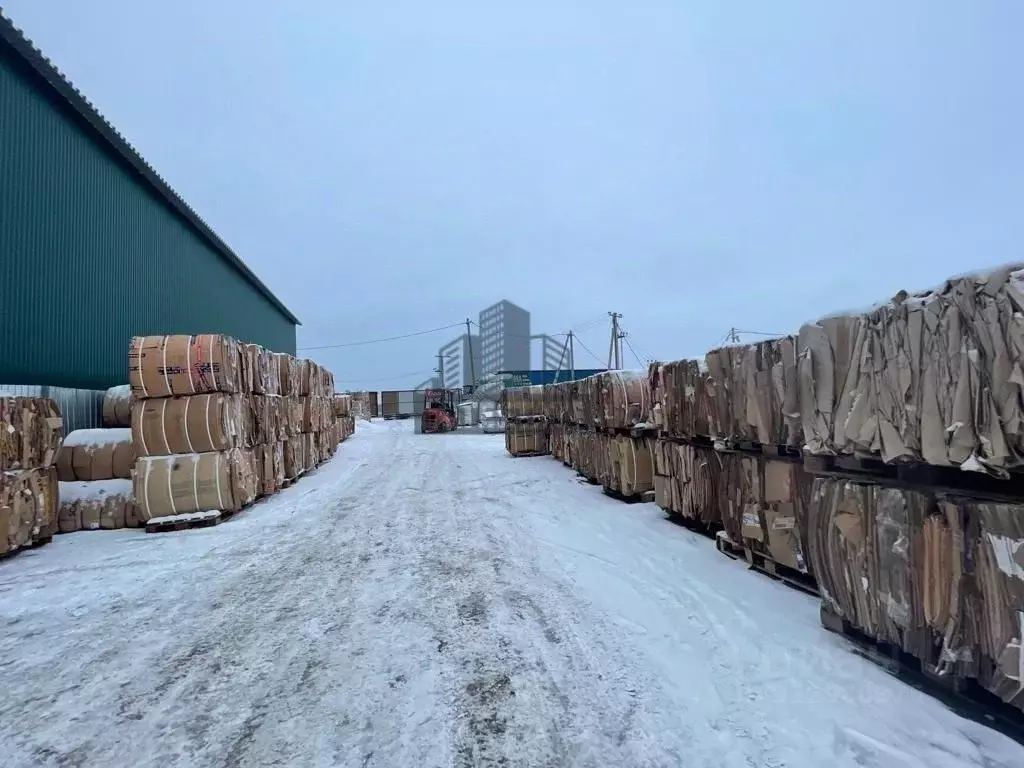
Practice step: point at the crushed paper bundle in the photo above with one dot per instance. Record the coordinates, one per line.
(682, 400)
(754, 392)
(31, 432)
(196, 424)
(691, 481)
(933, 377)
(773, 498)
(523, 402)
(96, 505)
(269, 468)
(28, 507)
(260, 370)
(196, 482)
(526, 437)
(117, 406)
(265, 420)
(96, 454)
(317, 413)
(287, 373)
(342, 405)
(163, 366)
(617, 399)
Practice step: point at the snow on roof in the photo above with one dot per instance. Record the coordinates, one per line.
(98, 437)
(90, 490)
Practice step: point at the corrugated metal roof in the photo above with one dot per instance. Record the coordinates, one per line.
(62, 88)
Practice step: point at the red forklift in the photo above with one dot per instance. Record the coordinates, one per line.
(438, 411)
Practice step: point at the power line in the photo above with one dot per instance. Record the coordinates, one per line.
(626, 339)
(388, 338)
(587, 349)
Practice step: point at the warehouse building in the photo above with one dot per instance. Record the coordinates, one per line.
(95, 247)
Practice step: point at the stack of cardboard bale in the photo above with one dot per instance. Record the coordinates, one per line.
(31, 432)
(526, 428)
(191, 426)
(94, 467)
(345, 420)
(728, 449)
(931, 379)
(600, 427)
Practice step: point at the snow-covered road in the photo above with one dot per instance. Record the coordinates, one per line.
(428, 601)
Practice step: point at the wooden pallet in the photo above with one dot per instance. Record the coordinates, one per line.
(529, 454)
(788, 576)
(963, 696)
(185, 522)
(636, 498)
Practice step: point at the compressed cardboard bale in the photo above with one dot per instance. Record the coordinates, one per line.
(688, 480)
(995, 534)
(265, 420)
(163, 366)
(932, 376)
(342, 405)
(317, 413)
(633, 464)
(95, 505)
(287, 374)
(195, 482)
(31, 432)
(117, 406)
(195, 424)
(866, 552)
(313, 380)
(294, 462)
(96, 454)
(523, 402)
(786, 492)
(526, 437)
(29, 501)
(260, 370)
(681, 397)
(619, 399)
(754, 392)
(269, 468)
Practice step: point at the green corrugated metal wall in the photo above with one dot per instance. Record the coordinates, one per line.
(89, 256)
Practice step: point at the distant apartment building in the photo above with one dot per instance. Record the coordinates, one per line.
(504, 338)
(460, 361)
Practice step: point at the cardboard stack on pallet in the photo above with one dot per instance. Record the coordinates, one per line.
(345, 420)
(939, 577)
(31, 433)
(94, 467)
(600, 427)
(727, 455)
(217, 423)
(526, 427)
(190, 426)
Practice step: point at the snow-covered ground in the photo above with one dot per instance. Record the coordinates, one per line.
(428, 601)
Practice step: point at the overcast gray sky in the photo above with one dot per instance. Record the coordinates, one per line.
(388, 167)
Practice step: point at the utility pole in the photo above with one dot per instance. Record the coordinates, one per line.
(615, 343)
(572, 360)
(469, 343)
(440, 371)
(734, 336)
